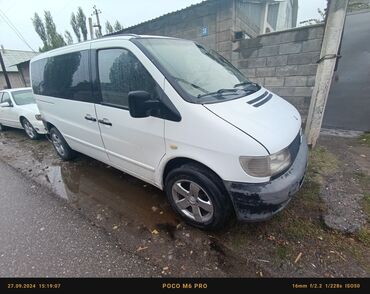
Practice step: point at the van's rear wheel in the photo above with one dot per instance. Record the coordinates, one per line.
(60, 145)
(2, 128)
(197, 195)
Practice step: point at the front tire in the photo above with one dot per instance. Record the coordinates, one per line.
(29, 129)
(198, 196)
(61, 146)
(2, 128)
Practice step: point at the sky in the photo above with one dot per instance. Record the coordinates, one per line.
(128, 12)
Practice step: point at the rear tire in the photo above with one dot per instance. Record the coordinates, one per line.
(29, 129)
(61, 146)
(199, 197)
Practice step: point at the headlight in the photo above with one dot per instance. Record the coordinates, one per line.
(266, 166)
(38, 116)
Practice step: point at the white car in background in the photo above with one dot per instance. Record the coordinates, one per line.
(18, 109)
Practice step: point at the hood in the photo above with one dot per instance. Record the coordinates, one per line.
(32, 108)
(263, 115)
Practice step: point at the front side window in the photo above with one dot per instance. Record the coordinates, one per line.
(63, 76)
(23, 97)
(204, 76)
(6, 98)
(120, 72)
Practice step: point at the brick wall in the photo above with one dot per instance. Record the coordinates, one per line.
(284, 62)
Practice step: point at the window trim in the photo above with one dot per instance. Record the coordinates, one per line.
(163, 98)
(99, 90)
(88, 61)
(10, 97)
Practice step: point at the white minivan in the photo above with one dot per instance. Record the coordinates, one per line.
(177, 116)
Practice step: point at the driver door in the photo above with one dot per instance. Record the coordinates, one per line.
(8, 116)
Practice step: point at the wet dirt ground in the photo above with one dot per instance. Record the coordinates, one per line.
(138, 218)
(136, 214)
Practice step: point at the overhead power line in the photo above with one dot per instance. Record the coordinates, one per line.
(14, 28)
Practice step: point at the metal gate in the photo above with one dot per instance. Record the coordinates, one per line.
(348, 105)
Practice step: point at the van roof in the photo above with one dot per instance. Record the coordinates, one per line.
(84, 45)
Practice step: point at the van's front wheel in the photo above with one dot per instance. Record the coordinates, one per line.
(60, 145)
(196, 194)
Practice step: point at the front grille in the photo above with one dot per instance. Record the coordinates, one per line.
(294, 146)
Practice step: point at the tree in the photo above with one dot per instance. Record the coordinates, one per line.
(117, 26)
(68, 37)
(81, 21)
(108, 28)
(354, 5)
(75, 27)
(313, 21)
(47, 32)
(54, 38)
(40, 30)
(97, 34)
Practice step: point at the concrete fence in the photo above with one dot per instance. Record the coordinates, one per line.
(284, 62)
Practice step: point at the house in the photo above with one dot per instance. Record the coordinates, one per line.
(17, 66)
(217, 23)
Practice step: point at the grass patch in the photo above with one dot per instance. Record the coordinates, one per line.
(365, 139)
(282, 251)
(299, 229)
(366, 205)
(322, 163)
(364, 236)
(364, 181)
(309, 196)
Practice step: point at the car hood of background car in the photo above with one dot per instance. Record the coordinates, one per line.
(32, 108)
(263, 115)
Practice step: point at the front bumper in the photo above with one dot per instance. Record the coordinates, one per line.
(257, 202)
(39, 127)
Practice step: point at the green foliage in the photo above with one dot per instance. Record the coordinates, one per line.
(40, 29)
(75, 27)
(47, 32)
(108, 28)
(81, 21)
(68, 37)
(118, 26)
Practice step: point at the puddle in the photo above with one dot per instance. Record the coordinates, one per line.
(88, 184)
(133, 213)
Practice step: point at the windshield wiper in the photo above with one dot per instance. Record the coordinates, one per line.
(250, 87)
(191, 84)
(219, 93)
(249, 84)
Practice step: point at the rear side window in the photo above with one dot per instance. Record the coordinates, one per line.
(64, 76)
(119, 73)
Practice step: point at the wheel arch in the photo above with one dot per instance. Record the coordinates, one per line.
(179, 161)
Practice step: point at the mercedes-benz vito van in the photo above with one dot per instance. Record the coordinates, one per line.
(177, 116)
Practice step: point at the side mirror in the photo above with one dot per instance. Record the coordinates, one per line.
(6, 104)
(140, 104)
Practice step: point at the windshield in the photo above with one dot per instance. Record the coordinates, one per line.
(23, 97)
(204, 76)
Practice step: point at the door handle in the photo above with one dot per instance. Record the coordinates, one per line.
(89, 117)
(105, 121)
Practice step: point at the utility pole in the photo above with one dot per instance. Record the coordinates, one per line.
(9, 86)
(91, 29)
(328, 58)
(96, 13)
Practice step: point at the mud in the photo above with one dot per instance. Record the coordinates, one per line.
(135, 213)
(138, 218)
